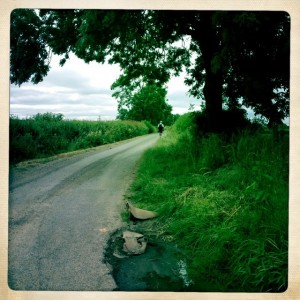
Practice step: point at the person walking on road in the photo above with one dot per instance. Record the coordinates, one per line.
(160, 128)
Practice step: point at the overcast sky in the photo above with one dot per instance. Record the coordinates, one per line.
(82, 91)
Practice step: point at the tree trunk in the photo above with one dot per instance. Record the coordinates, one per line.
(209, 43)
(213, 99)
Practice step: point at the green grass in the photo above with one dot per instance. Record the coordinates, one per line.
(48, 134)
(224, 202)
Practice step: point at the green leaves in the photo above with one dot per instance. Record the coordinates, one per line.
(28, 52)
(147, 103)
(235, 55)
(256, 46)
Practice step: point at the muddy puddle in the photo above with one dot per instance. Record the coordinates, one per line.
(161, 268)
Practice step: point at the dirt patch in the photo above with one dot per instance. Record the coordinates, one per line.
(161, 268)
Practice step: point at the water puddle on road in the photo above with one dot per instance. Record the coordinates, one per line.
(161, 268)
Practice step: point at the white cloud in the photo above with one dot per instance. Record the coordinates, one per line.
(178, 95)
(82, 91)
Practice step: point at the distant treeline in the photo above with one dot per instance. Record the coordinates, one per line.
(49, 134)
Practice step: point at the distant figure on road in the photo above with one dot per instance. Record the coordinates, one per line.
(160, 128)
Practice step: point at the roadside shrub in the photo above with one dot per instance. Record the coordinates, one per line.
(49, 134)
(22, 147)
(151, 128)
(230, 121)
(186, 122)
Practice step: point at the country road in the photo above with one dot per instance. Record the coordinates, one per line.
(61, 214)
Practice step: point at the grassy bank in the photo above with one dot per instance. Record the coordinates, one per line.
(48, 134)
(225, 203)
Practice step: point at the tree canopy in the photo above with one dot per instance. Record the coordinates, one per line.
(29, 54)
(149, 104)
(237, 58)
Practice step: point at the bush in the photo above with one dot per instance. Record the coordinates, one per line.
(186, 122)
(151, 128)
(48, 134)
(228, 123)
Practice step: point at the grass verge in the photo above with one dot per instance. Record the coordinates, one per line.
(225, 203)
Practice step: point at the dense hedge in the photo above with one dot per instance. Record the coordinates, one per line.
(49, 134)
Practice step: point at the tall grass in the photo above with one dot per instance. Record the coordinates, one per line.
(48, 134)
(224, 202)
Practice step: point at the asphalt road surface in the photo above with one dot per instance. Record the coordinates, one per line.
(61, 214)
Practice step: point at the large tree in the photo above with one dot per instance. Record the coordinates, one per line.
(149, 103)
(259, 65)
(239, 56)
